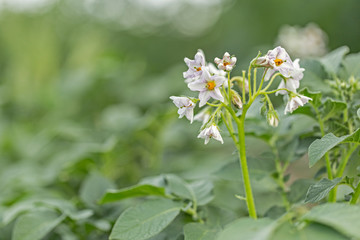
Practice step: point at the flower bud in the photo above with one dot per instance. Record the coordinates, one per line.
(272, 118)
(236, 99)
(261, 62)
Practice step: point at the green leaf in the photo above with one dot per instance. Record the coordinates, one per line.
(299, 189)
(353, 138)
(312, 231)
(145, 220)
(320, 189)
(320, 146)
(179, 187)
(203, 191)
(340, 216)
(332, 61)
(247, 228)
(315, 96)
(199, 191)
(14, 211)
(66, 207)
(198, 231)
(314, 75)
(352, 64)
(36, 225)
(332, 108)
(133, 191)
(94, 187)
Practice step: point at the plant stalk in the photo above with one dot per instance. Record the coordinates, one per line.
(245, 171)
(356, 194)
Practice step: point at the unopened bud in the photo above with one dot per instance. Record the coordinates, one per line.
(272, 118)
(261, 62)
(236, 99)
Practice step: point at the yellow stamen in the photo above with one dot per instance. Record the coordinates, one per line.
(198, 69)
(278, 62)
(210, 85)
(226, 63)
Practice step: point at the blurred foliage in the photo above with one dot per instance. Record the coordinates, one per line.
(84, 101)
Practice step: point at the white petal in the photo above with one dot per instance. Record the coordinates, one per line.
(206, 75)
(188, 74)
(181, 112)
(214, 131)
(305, 99)
(269, 73)
(216, 94)
(219, 80)
(292, 85)
(187, 61)
(287, 108)
(197, 86)
(281, 85)
(176, 101)
(298, 101)
(190, 114)
(200, 57)
(204, 96)
(221, 66)
(296, 63)
(202, 134)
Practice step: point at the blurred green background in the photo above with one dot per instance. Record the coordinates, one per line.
(78, 73)
(92, 79)
(85, 84)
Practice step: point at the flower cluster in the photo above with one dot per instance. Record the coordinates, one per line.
(211, 83)
(208, 80)
(278, 60)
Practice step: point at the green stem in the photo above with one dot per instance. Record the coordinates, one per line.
(327, 158)
(344, 161)
(332, 194)
(243, 88)
(280, 171)
(255, 71)
(276, 90)
(268, 101)
(229, 128)
(262, 81)
(242, 158)
(271, 81)
(245, 171)
(356, 194)
(249, 80)
(229, 93)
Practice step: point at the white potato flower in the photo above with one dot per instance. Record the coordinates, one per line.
(295, 102)
(208, 86)
(227, 63)
(186, 107)
(196, 66)
(211, 132)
